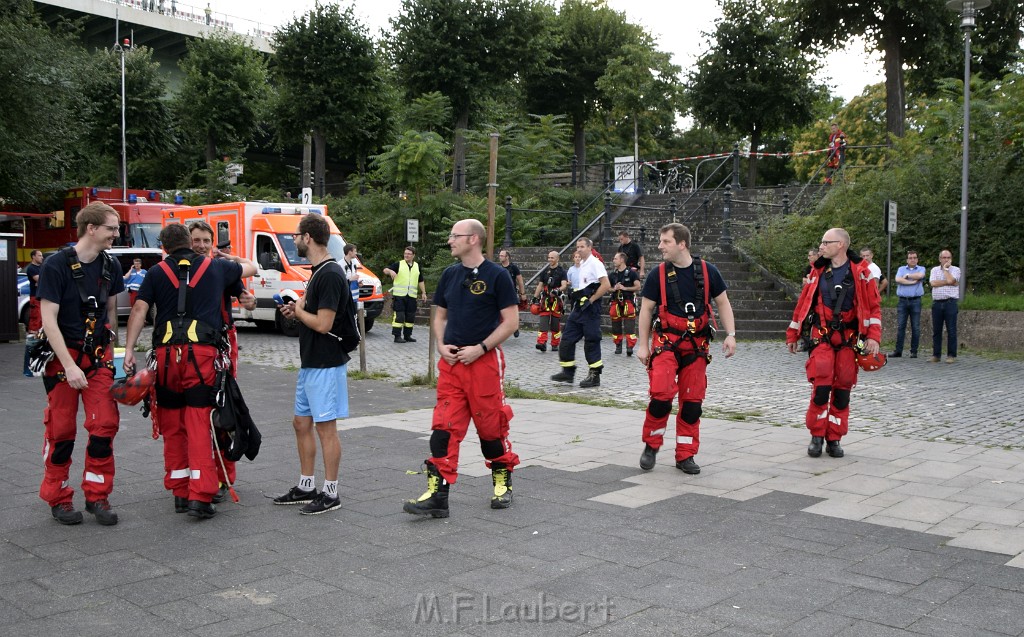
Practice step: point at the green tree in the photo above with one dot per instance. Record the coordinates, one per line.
(920, 35)
(224, 94)
(41, 127)
(415, 162)
(463, 49)
(587, 35)
(754, 80)
(330, 81)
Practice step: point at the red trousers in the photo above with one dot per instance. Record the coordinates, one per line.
(827, 367)
(550, 322)
(189, 464)
(472, 391)
(623, 315)
(667, 380)
(60, 424)
(35, 315)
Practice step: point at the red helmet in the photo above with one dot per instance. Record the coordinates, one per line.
(131, 390)
(535, 307)
(872, 362)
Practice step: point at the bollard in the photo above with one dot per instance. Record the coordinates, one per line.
(575, 167)
(785, 203)
(736, 166)
(606, 232)
(726, 214)
(672, 208)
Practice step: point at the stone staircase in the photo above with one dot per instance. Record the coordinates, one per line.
(762, 304)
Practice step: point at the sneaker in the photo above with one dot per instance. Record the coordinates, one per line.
(28, 373)
(180, 504)
(65, 513)
(648, 458)
(502, 481)
(933, 359)
(201, 510)
(951, 359)
(296, 496)
(101, 509)
(689, 466)
(322, 503)
(221, 495)
(541, 347)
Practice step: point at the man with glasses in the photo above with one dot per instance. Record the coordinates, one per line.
(477, 310)
(838, 311)
(407, 277)
(78, 289)
(945, 282)
(909, 290)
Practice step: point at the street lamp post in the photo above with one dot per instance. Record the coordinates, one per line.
(122, 47)
(968, 10)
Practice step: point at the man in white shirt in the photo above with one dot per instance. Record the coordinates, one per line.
(584, 321)
(876, 272)
(945, 282)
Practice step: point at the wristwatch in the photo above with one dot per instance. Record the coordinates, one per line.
(733, 334)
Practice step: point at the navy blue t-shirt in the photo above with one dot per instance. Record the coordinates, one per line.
(32, 270)
(474, 298)
(57, 285)
(687, 287)
(627, 278)
(827, 284)
(206, 297)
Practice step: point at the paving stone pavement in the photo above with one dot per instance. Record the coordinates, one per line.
(900, 537)
(976, 400)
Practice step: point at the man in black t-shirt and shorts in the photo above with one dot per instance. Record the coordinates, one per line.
(477, 310)
(326, 313)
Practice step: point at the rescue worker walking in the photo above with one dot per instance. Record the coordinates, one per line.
(407, 277)
(838, 310)
(78, 289)
(547, 303)
(584, 321)
(477, 310)
(201, 235)
(35, 319)
(190, 349)
(625, 284)
(676, 330)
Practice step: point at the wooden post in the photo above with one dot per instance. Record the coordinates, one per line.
(361, 316)
(492, 193)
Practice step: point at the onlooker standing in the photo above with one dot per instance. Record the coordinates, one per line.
(476, 311)
(35, 319)
(407, 277)
(572, 275)
(326, 318)
(945, 282)
(909, 290)
(209, 13)
(868, 255)
(634, 255)
(836, 152)
(505, 259)
(812, 256)
(584, 321)
(75, 311)
(133, 280)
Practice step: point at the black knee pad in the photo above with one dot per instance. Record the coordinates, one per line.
(690, 412)
(439, 443)
(99, 447)
(841, 398)
(492, 449)
(659, 408)
(62, 451)
(821, 394)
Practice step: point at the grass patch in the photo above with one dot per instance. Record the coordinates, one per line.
(290, 368)
(361, 375)
(990, 301)
(725, 414)
(515, 391)
(419, 380)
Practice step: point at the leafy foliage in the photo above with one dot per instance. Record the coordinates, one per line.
(416, 162)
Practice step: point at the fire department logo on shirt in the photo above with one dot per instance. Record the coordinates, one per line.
(478, 287)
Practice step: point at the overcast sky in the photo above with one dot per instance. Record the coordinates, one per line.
(677, 24)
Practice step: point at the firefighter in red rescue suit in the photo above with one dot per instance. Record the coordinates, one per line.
(190, 349)
(838, 311)
(625, 284)
(78, 289)
(547, 303)
(676, 330)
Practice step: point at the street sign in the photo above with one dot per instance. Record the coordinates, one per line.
(306, 197)
(412, 230)
(890, 216)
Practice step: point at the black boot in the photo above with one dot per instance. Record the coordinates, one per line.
(814, 449)
(629, 351)
(593, 379)
(689, 465)
(648, 458)
(542, 347)
(833, 449)
(434, 502)
(618, 348)
(408, 335)
(397, 333)
(566, 375)
(501, 478)
(201, 510)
